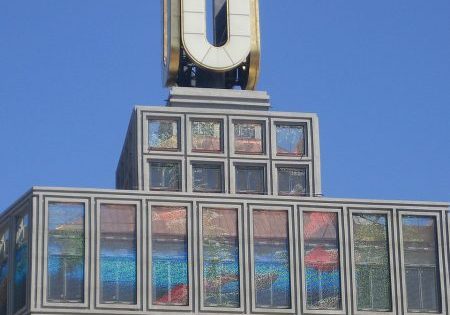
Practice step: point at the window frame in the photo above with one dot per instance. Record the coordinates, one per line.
(190, 172)
(223, 135)
(6, 226)
(162, 159)
(264, 122)
(306, 123)
(267, 176)
(309, 177)
(146, 149)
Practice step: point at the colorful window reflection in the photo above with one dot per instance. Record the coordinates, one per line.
(4, 270)
(371, 257)
(170, 283)
(206, 136)
(292, 181)
(163, 134)
(291, 140)
(421, 263)
(118, 254)
(165, 176)
(221, 282)
(248, 138)
(250, 179)
(65, 252)
(321, 260)
(21, 262)
(271, 259)
(207, 177)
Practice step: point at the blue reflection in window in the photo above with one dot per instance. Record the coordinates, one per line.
(4, 270)
(20, 263)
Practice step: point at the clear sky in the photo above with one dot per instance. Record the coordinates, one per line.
(376, 71)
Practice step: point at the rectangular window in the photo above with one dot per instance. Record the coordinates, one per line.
(118, 273)
(248, 138)
(421, 263)
(271, 259)
(170, 282)
(4, 270)
(221, 281)
(165, 176)
(21, 262)
(372, 265)
(322, 261)
(207, 136)
(207, 177)
(163, 134)
(65, 269)
(250, 179)
(293, 181)
(291, 140)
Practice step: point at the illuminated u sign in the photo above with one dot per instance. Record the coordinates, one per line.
(186, 45)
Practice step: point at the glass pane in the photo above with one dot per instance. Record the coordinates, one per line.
(421, 263)
(321, 262)
(248, 138)
(206, 136)
(65, 252)
(170, 283)
(4, 270)
(271, 259)
(373, 278)
(21, 262)
(221, 258)
(208, 178)
(163, 134)
(292, 181)
(165, 176)
(250, 179)
(291, 140)
(118, 254)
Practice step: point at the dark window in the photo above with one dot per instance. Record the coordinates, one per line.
(207, 136)
(165, 176)
(4, 270)
(293, 181)
(248, 138)
(163, 134)
(21, 262)
(207, 177)
(291, 140)
(250, 179)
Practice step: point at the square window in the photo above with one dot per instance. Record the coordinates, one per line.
(291, 140)
(207, 136)
(207, 177)
(293, 181)
(165, 176)
(163, 134)
(248, 138)
(250, 179)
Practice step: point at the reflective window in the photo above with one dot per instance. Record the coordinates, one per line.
(250, 179)
(118, 254)
(207, 136)
(292, 181)
(65, 268)
(248, 138)
(221, 282)
(170, 283)
(291, 140)
(4, 270)
(21, 262)
(421, 263)
(371, 257)
(321, 260)
(163, 134)
(165, 176)
(271, 259)
(207, 177)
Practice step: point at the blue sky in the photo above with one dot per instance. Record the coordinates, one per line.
(376, 71)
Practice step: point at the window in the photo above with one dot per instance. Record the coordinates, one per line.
(207, 136)
(65, 263)
(207, 177)
(248, 138)
(163, 134)
(165, 176)
(4, 270)
(291, 139)
(421, 263)
(272, 274)
(21, 262)
(118, 254)
(321, 261)
(293, 181)
(221, 280)
(372, 266)
(250, 179)
(170, 282)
